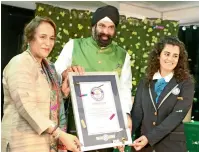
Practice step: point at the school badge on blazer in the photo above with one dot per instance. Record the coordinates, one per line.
(175, 91)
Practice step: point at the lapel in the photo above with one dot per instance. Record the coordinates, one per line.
(152, 86)
(172, 83)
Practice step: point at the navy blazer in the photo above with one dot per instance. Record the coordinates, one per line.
(161, 122)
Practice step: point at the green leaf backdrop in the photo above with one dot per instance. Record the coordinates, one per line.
(135, 35)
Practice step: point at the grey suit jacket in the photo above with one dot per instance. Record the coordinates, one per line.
(161, 122)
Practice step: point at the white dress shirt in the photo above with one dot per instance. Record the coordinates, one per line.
(167, 78)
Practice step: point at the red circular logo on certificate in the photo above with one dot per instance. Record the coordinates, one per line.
(97, 93)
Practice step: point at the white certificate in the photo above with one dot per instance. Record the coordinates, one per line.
(99, 106)
(99, 116)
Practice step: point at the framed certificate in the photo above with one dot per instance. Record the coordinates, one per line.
(100, 119)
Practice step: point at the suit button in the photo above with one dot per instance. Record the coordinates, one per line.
(155, 113)
(154, 123)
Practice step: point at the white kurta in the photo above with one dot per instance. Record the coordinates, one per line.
(65, 60)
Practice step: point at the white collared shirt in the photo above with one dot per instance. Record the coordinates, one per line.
(167, 78)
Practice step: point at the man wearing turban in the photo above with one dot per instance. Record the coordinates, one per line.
(98, 53)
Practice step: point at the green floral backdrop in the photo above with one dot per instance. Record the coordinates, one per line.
(134, 35)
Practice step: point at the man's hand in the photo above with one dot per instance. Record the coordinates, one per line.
(65, 73)
(65, 84)
(129, 121)
(65, 87)
(139, 143)
(78, 69)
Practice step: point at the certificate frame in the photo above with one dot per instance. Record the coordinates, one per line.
(102, 140)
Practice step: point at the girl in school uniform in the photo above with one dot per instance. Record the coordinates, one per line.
(163, 99)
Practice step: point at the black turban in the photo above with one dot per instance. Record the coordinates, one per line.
(109, 11)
